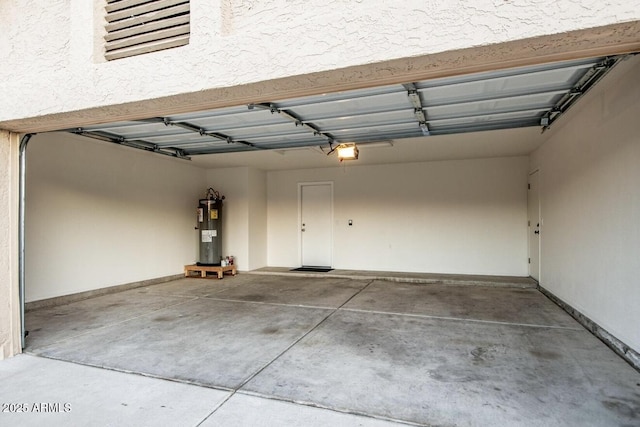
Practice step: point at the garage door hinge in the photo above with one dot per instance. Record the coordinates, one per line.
(529, 260)
(528, 186)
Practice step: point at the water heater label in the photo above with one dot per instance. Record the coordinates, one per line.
(200, 214)
(214, 213)
(208, 235)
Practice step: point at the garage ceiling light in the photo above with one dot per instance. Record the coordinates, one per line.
(348, 151)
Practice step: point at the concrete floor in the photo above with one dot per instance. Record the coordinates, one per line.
(277, 350)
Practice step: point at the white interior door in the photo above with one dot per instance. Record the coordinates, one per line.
(534, 226)
(316, 218)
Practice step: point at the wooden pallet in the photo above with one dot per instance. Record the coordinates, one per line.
(204, 269)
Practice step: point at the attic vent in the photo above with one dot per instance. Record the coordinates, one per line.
(142, 26)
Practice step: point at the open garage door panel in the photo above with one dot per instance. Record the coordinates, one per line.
(504, 99)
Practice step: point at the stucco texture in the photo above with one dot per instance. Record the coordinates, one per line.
(53, 62)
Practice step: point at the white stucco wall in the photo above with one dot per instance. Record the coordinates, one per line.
(466, 217)
(52, 61)
(590, 205)
(101, 215)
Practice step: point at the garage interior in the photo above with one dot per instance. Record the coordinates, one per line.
(431, 315)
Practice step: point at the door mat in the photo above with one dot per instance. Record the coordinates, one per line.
(314, 269)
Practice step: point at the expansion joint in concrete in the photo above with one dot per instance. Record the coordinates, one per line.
(317, 325)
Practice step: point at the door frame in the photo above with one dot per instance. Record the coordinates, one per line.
(530, 225)
(299, 224)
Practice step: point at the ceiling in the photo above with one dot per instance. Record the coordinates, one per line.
(416, 121)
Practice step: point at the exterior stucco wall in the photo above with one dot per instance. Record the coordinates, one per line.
(53, 63)
(9, 300)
